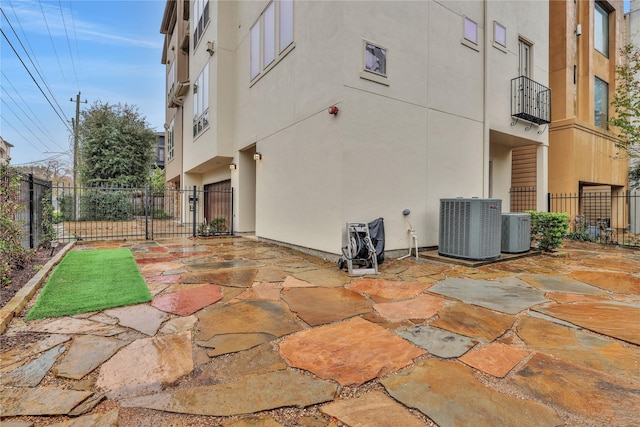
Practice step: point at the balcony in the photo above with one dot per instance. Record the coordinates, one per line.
(530, 101)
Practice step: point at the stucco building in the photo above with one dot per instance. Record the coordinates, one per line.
(319, 113)
(5, 149)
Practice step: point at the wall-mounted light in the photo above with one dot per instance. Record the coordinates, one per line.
(233, 166)
(211, 48)
(257, 156)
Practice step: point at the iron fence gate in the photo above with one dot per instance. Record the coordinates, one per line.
(105, 213)
(33, 195)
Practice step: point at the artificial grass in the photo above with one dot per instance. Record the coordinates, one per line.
(91, 280)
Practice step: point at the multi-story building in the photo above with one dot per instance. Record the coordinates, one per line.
(5, 149)
(585, 38)
(633, 37)
(322, 113)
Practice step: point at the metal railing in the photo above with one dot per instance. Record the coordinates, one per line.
(611, 217)
(32, 193)
(530, 101)
(106, 213)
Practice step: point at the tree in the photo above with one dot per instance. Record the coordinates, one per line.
(626, 105)
(116, 145)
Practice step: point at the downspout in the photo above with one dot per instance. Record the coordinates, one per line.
(485, 101)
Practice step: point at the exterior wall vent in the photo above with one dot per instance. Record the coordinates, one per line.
(470, 228)
(516, 232)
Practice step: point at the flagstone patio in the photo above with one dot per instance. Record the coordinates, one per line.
(247, 333)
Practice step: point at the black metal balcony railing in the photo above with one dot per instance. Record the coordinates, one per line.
(530, 101)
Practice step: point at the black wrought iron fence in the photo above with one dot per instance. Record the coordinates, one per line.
(107, 212)
(610, 216)
(32, 197)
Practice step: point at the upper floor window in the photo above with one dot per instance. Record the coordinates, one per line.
(200, 18)
(601, 103)
(601, 29)
(171, 76)
(470, 30)
(375, 59)
(201, 101)
(499, 34)
(170, 142)
(271, 36)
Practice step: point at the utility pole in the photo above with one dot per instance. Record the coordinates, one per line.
(75, 152)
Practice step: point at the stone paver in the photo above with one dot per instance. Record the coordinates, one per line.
(317, 306)
(11, 357)
(437, 341)
(179, 324)
(561, 284)
(257, 360)
(350, 352)
(611, 400)
(230, 343)
(30, 374)
(496, 359)
(246, 317)
(449, 393)
(372, 409)
(389, 289)
(420, 307)
(39, 401)
(265, 290)
(262, 421)
(471, 321)
(141, 317)
(158, 361)
(323, 278)
(510, 298)
(72, 325)
(184, 303)
(589, 350)
(624, 265)
(624, 283)
(235, 277)
(613, 319)
(86, 353)
(253, 393)
(108, 419)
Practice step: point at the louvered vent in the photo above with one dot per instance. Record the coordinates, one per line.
(516, 232)
(470, 228)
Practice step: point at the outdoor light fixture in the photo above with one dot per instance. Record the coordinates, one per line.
(233, 166)
(257, 156)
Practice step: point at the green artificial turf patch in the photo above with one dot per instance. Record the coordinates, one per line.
(91, 280)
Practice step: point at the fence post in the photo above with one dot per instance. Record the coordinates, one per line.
(548, 202)
(32, 209)
(231, 214)
(146, 212)
(195, 210)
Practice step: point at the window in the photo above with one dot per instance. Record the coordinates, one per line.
(201, 101)
(201, 16)
(470, 30)
(170, 142)
(601, 29)
(524, 58)
(171, 76)
(499, 34)
(601, 103)
(274, 28)
(375, 59)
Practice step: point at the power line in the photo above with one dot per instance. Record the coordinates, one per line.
(23, 137)
(60, 110)
(24, 124)
(34, 80)
(73, 64)
(53, 45)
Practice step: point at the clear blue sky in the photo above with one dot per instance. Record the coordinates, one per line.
(109, 50)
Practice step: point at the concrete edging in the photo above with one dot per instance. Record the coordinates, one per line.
(22, 297)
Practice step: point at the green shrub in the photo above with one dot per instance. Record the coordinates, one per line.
(105, 205)
(548, 229)
(218, 225)
(49, 233)
(65, 207)
(581, 231)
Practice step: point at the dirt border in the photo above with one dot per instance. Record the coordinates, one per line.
(22, 297)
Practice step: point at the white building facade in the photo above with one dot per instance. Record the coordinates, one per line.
(320, 113)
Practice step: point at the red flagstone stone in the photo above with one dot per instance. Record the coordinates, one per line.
(159, 268)
(600, 399)
(230, 343)
(449, 393)
(472, 321)
(184, 303)
(236, 277)
(495, 359)
(420, 307)
(324, 278)
(388, 289)
(612, 319)
(565, 298)
(108, 419)
(158, 249)
(261, 421)
(257, 360)
(317, 306)
(271, 274)
(71, 325)
(580, 347)
(266, 290)
(292, 282)
(350, 352)
(374, 317)
(155, 260)
(372, 409)
(623, 283)
(261, 316)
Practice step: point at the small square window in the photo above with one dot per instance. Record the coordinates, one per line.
(375, 59)
(499, 34)
(470, 30)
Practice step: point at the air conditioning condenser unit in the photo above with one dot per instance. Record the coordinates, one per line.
(516, 232)
(470, 228)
